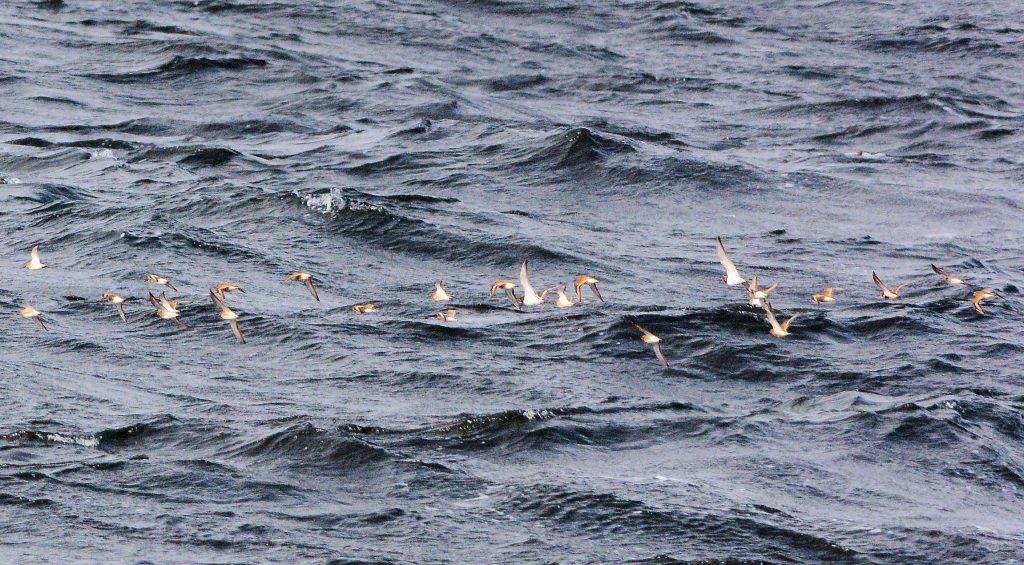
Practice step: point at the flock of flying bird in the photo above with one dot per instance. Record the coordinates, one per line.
(758, 297)
(167, 309)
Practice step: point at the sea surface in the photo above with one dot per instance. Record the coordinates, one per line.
(382, 145)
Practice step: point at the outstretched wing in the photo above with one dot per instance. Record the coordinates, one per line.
(511, 292)
(120, 311)
(642, 330)
(238, 332)
(312, 289)
(730, 267)
(785, 325)
(216, 301)
(661, 356)
(878, 282)
(771, 317)
(524, 279)
(597, 292)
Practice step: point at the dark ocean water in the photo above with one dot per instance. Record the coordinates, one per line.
(382, 145)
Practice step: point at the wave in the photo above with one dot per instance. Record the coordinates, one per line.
(576, 147)
(385, 227)
(609, 516)
(303, 444)
(101, 143)
(181, 67)
(920, 40)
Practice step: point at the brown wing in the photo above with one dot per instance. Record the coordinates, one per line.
(238, 332)
(641, 329)
(312, 289)
(511, 292)
(785, 325)
(39, 320)
(660, 355)
(597, 292)
(939, 271)
(976, 302)
(771, 316)
(878, 282)
(216, 301)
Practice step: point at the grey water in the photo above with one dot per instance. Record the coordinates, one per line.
(382, 145)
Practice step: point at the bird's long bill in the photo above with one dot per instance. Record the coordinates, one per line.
(238, 332)
(312, 289)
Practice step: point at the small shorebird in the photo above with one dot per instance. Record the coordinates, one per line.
(223, 288)
(367, 308)
(34, 263)
(887, 293)
(29, 312)
(117, 301)
(167, 309)
(306, 279)
(530, 296)
(227, 314)
(980, 295)
(510, 290)
(825, 295)
(652, 340)
(732, 276)
(756, 295)
(563, 300)
(446, 315)
(586, 280)
(440, 294)
(778, 330)
(947, 278)
(155, 279)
